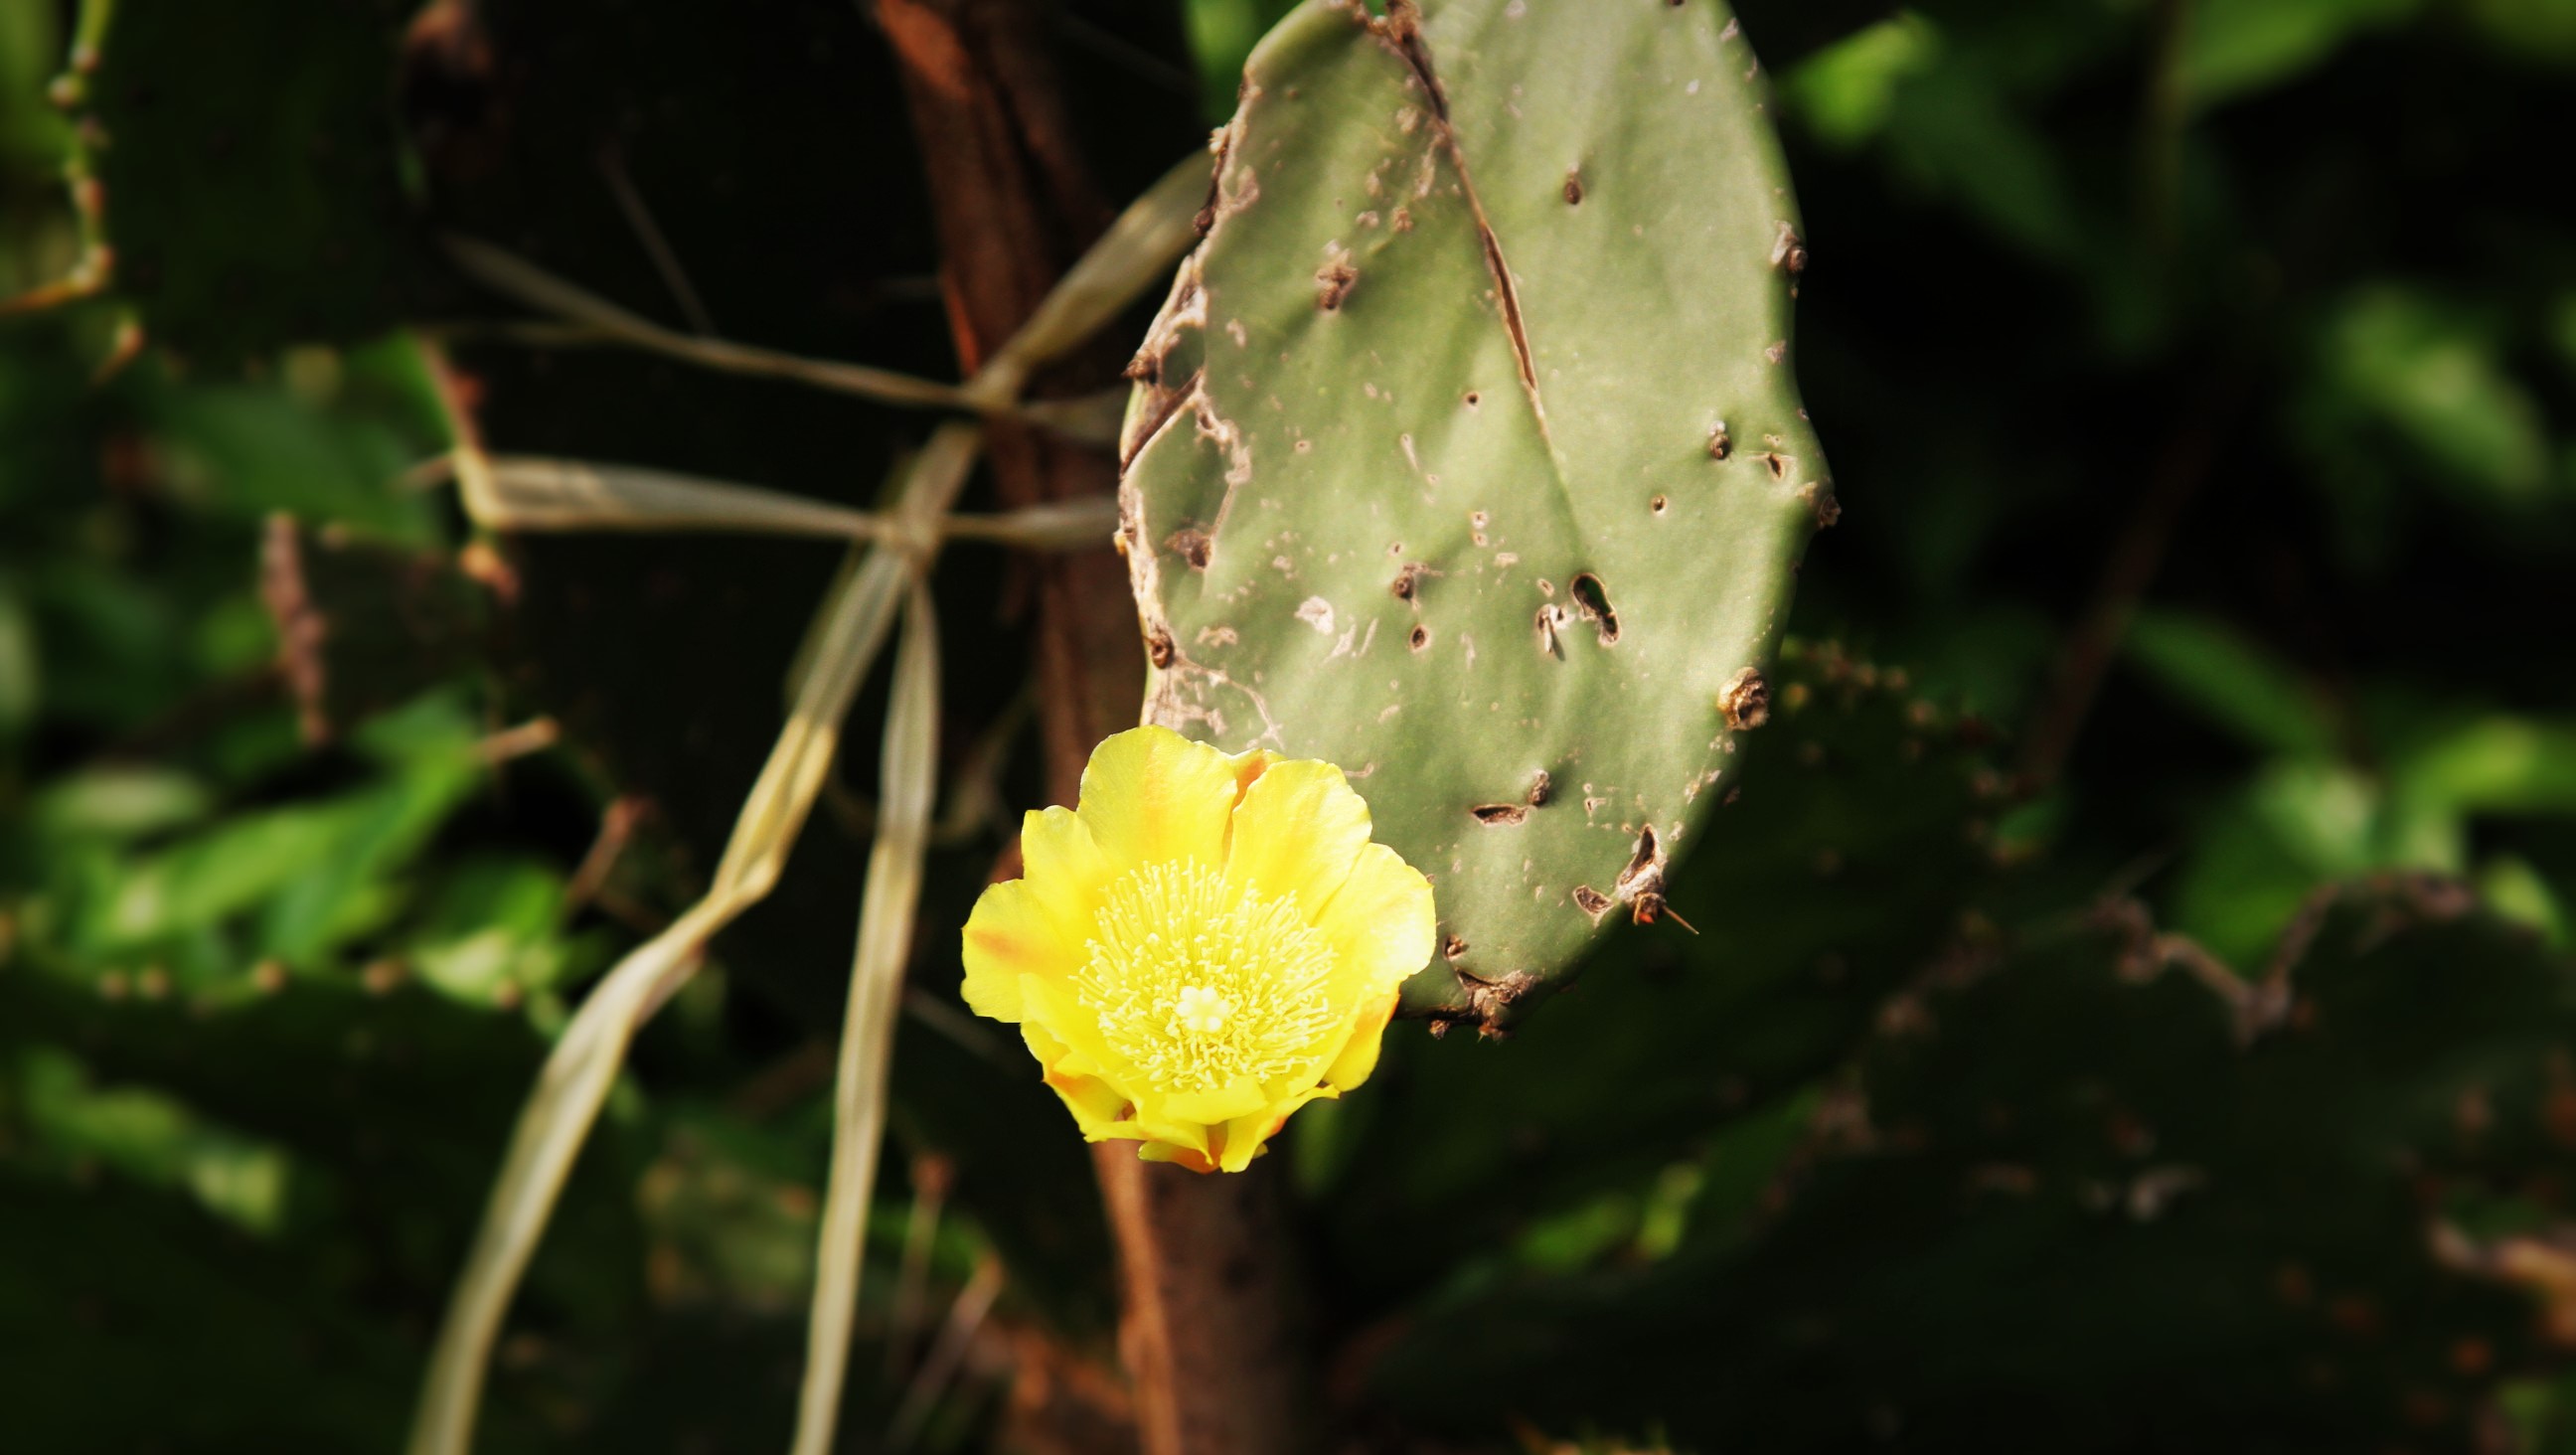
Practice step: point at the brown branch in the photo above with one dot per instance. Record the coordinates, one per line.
(2180, 470)
(1207, 1335)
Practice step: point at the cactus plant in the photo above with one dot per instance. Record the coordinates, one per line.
(264, 211)
(1845, 858)
(1466, 453)
(2121, 1191)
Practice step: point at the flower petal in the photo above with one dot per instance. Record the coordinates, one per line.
(1190, 1157)
(1009, 935)
(1185, 1136)
(1150, 795)
(1040, 923)
(1296, 832)
(1050, 1003)
(1359, 1056)
(1245, 1136)
(1249, 765)
(1380, 925)
(1242, 1098)
(1064, 865)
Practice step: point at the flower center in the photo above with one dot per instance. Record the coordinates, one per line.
(1199, 982)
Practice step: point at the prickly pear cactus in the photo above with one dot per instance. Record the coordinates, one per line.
(2086, 1180)
(267, 210)
(1466, 452)
(1845, 858)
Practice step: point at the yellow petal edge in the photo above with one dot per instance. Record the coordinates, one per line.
(1203, 945)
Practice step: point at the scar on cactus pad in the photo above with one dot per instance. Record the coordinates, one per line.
(1202, 946)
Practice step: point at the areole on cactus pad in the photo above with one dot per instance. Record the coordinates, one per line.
(1466, 453)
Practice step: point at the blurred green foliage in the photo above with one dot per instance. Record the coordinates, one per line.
(2212, 1093)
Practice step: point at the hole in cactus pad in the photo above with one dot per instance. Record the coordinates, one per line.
(1499, 815)
(1593, 600)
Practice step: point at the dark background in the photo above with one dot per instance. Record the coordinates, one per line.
(2200, 382)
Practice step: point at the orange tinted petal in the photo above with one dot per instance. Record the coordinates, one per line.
(1190, 1157)
(1150, 795)
(1098, 1108)
(1249, 765)
(1297, 832)
(1009, 935)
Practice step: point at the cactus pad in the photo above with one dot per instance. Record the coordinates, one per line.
(1466, 452)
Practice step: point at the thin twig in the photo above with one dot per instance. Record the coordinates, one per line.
(2135, 557)
(1060, 525)
(1143, 244)
(535, 493)
(532, 493)
(1139, 247)
(533, 736)
(514, 277)
(584, 1063)
(617, 825)
(612, 166)
(1120, 51)
(961, 1030)
(974, 790)
(575, 1081)
(965, 1317)
(910, 771)
(931, 1175)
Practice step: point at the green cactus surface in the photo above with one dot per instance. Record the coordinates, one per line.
(2122, 1191)
(1849, 855)
(1466, 452)
(266, 211)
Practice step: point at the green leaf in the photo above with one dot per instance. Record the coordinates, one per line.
(492, 931)
(21, 677)
(2241, 46)
(2396, 362)
(116, 803)
(1846, 92)
(2257, 856)
(248, 450)
(314, 873)
(2514, 889)
(2526, 30)
(2237, 685)
(1222, 33)
(2508, 765)
(156, 1140)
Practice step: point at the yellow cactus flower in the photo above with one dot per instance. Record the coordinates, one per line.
(1204, 945)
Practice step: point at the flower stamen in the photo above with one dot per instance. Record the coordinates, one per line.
(1201, 983)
